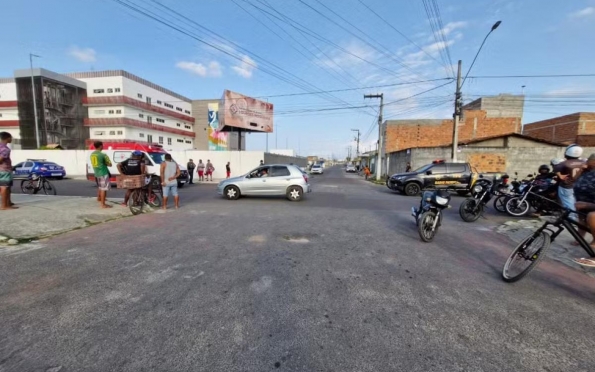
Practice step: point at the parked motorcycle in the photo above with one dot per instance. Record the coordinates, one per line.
(520, 205)
(429, 214)
(515, 188)
(483, 190)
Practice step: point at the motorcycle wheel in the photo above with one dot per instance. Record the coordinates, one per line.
(516, 208)
(500, 203)
(424, 226)
(469, 210)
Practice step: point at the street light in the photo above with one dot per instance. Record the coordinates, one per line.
(458, 95)
(495, 26)
(31, 55)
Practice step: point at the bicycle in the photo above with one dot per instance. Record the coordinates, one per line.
(140, 196)
(35, 183)
(533, 255)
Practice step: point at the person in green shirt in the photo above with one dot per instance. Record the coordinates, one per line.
(100, 163)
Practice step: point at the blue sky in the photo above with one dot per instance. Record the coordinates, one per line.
(354, 50)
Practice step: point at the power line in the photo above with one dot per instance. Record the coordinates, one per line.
(438, 33)
(529, 76)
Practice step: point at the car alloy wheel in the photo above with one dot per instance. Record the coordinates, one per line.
(231, 193)
(294, 193)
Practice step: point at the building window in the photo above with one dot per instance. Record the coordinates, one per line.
(160, 120)
(110, 90)
(168, 105)
(159, 102)
(99, 133)
(120, 132)
(110, 112)
(161, 140)
(180, 140)
(139, 95)
(141, 116)
(112, 132)
(99, 112)
(188, 141)
(0, 115)
(149, 120)
(188, 112)
(98, 91)
(141, 135)
(178, 124)
(169, 141)
(149, 100)
(117, 90)
(118, 111)
(179, 109)
(149, 138)
(187, 127)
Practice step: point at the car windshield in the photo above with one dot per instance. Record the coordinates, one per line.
(423, 169)
(157, 157)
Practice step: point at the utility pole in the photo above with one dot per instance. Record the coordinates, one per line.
(457, 115)
(31, 55)
(357, 139)
(380, 134)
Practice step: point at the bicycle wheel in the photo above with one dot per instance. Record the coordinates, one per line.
(516, 207)
(526, 256)
(27, 187)
(136, 202)
(500, 203)
(48, 188)
(154, 201)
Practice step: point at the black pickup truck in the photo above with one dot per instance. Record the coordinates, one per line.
(458, 176)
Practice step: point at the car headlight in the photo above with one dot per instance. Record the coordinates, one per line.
(477, 188)
(441, 201)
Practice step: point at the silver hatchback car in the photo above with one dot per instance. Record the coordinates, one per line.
(268, 180)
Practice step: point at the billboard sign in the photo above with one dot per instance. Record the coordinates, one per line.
(217, 139)
(238, 112)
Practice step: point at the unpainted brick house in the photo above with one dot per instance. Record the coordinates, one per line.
(574, 128)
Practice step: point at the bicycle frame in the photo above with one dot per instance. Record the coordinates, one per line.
(565, 222)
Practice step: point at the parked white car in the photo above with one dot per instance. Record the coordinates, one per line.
(350, 168)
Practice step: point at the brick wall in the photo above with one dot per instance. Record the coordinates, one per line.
(487, 162)
(404, 134)
(563, 129)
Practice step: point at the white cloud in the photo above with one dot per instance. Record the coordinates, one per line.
(83, 54)
(213, 69)
(245, 67)
(587, 12)
(451, 26)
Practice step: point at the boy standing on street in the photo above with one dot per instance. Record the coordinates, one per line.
(100, 163)
(5, 171)
(210, 170)
(201, 170)
(170, 171)
(228, 169)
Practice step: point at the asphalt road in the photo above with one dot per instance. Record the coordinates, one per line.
(338, 282)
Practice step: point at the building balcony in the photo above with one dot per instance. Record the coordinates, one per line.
(9, 124)
(126, 122)
(123, 100)
(8, 104)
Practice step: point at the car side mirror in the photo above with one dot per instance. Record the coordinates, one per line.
(429, 172)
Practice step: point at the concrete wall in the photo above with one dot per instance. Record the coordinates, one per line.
(241, 162)
(283, 159)
(500, 106)
(523, 160)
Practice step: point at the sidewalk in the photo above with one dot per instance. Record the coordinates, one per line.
(41, 216)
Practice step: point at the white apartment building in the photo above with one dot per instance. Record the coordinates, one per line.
(9, 113)
(125, 107)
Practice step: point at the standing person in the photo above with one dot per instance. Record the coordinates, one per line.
(408, 168)
(584, 192)
(201, 170)
(567, 173)
(366, 172)
(191, 165)
(133, 166)
(210, 169)
(228, 169)
(170, 171)
(100, 163)
(261, 163)
(5, 171)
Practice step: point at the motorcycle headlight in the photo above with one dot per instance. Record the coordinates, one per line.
(477, 188)
(441, 201)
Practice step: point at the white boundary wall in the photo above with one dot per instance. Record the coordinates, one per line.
(75, 161)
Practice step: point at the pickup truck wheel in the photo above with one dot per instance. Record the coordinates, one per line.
(412, 189)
